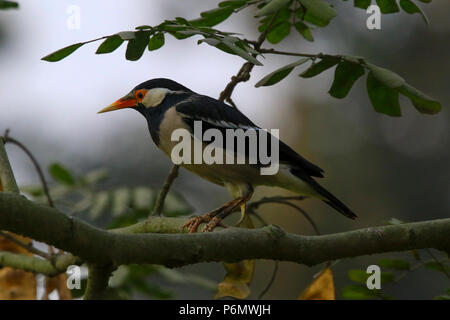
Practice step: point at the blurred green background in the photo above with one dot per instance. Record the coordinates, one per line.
(381, 167)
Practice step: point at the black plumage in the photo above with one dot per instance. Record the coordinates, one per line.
(169, 105)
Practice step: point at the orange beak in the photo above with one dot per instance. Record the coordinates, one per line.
(125, 102)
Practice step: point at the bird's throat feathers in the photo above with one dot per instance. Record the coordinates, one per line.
(155, 115)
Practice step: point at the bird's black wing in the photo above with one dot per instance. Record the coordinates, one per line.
(218, 115)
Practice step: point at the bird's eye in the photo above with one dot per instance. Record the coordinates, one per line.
(140, 95)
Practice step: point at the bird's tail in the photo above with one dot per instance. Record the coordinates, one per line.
(326, 196)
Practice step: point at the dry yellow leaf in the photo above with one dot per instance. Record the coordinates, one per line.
(57, 283)
(321, 288)
(239, 275)
(17, 284)
(235, 284)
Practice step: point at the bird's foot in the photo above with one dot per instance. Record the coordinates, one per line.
(193, 223)
(212, 221)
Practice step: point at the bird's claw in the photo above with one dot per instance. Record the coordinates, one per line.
(215, 222)
(212, 222)
(193, 223)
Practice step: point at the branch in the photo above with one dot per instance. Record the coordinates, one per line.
(7, 180)
(27, 246)
(295, 54)
(19, 215)
(243, 74)
(57, 265)
(98, 278)
(39, 171)
(159, 204)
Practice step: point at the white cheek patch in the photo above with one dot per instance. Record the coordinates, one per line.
(154, 97)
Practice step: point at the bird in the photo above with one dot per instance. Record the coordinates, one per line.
(168, 106)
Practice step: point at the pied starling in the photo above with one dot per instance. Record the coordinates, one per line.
(168, 105)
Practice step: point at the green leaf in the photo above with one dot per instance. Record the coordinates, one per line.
(280, 73)
(396, 264)
(282, 16)
(388, 6)
(304, 31)
(386, 77)
(411, 8)
(421, 101)
(345, 76)
(437, 266)
(319, 9)
(143, 198)
(61, 174)
(233, 3)
(33, 191)
(394, 221)
(279, 32)
(384, 99)
(363, 4)
(216, 16)
(110, 44)
(356, 292)
(136, 46)
(156, 42)
(126, 35)
(308, 17)
(359, 276)
(175, 205)
(143, 27)
(62, 53)
(96, 176)
(241, 52)
(316, 68)
(121, 201)
(216, 43)
(100, 204)
(272, 7)
(8, 5)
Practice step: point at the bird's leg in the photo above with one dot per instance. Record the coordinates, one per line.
(215, 217)
(193, 223)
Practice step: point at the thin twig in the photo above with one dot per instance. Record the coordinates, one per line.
(258, 216)
(275, 269)
(159, 204)
(271, 281)
(26, 246)
(284, 200)
(415, 267)
(265, 200)
(304, 213)
(243, 74)
(8, 182)
(296, 54)
(444, 269)
(8, 139)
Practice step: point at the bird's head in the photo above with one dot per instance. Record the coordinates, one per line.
(149, 94)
